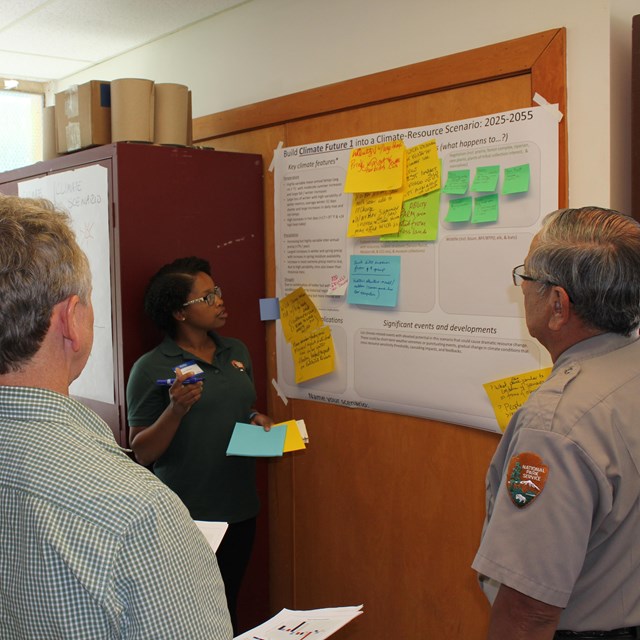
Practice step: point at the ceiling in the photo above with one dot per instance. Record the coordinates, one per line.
(43, 40)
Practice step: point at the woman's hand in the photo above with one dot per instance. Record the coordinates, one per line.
(262, 420)
(183, 396)
(151, 441)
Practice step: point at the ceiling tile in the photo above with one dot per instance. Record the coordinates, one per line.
(50, 39)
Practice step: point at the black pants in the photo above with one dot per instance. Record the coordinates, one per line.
(233, 556)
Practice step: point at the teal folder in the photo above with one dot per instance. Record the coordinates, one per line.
(252, 440)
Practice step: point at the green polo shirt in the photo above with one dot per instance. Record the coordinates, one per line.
(211, 484)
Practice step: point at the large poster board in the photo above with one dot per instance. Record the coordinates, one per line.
(458, 321)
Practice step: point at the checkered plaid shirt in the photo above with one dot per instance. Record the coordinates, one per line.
(91, 544)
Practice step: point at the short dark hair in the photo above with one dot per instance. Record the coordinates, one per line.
(169, 288)
(594, 254)
(41, 265)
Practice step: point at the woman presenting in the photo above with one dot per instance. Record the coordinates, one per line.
(183, 427)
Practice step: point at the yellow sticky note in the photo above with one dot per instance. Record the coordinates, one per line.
(298, 315)
(374, 214)
(376, 168)
(423, 170)
(313, 355)
(293, 440)
(507, 395)
(418, 219)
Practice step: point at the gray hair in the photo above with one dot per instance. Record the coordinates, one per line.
(594, 254)
(41, 265)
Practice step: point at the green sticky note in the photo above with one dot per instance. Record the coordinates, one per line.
(486, 178)
(516, 179)
(485, 209)
(459, 210)
(457, 182)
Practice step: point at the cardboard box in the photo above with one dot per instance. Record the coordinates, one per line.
(83, 116)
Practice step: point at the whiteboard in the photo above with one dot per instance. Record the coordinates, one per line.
(83, 193)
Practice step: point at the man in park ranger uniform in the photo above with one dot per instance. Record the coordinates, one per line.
(561, 540)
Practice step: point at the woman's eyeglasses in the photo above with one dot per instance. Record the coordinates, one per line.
(210, 298)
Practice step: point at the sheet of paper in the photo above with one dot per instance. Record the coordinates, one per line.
(373, 214)
(374, 280)
(313, 355)
(213, 531)
(459, 210)
(338, 286)
(376, 168)
(516, 179)
(485, 208)
(457, 182)
(423, 170)
(507, 395)
(418, 220)
(316, 623)
(298, 315)
(302, 428)
(251, 440)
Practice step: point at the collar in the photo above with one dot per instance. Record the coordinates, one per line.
(593, 347)
(35, 404)
(170, 347)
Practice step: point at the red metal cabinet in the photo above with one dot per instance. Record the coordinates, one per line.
(168, 202)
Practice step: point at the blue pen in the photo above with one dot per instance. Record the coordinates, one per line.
(169, 381)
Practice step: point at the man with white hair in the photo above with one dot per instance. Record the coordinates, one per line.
(92, 545)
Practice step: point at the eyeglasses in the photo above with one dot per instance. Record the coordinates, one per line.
(519, 277)
(210, 298)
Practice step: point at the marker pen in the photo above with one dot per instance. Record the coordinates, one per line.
(169, 381)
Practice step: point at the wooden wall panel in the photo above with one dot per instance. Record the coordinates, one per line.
(635, 117)
(382, 509)
(465, 102)
(390, 508)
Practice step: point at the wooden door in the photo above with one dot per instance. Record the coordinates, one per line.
(386, 510)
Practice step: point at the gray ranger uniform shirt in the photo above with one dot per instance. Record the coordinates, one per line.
(563, 490)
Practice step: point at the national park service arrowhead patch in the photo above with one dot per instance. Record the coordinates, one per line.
(526, 477)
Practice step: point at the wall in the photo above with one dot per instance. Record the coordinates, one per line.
(620, 114)
(269, 48)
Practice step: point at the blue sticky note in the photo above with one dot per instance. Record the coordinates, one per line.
(252, 440)
(269, 308)
(374, 280)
